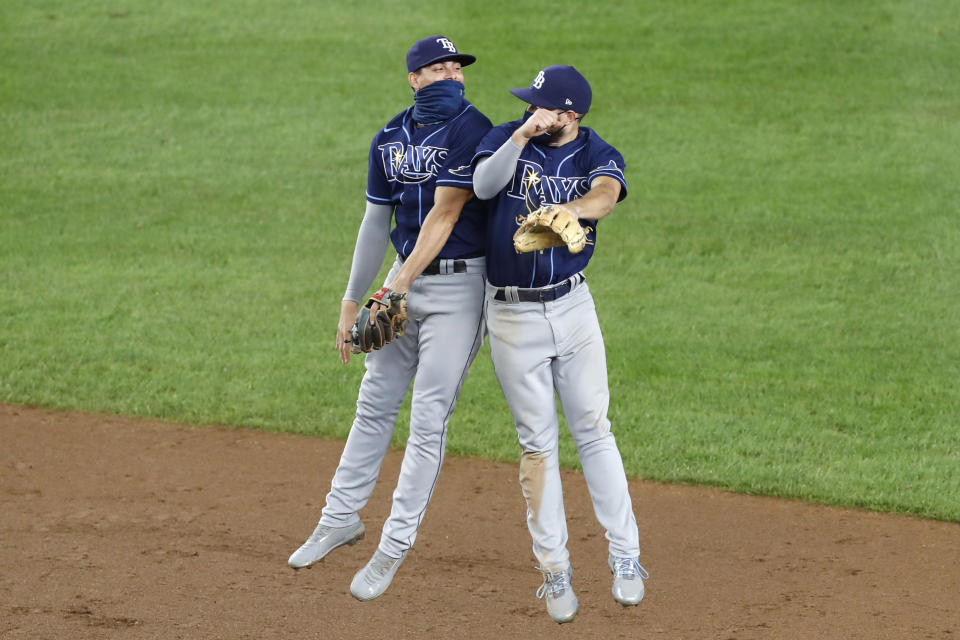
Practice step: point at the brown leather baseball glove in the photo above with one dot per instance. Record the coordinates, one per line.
(389, 322)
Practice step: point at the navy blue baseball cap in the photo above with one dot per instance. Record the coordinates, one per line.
(434, 49)
(558, 87)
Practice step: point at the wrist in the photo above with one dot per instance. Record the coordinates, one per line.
(401, 283)
(519, 138)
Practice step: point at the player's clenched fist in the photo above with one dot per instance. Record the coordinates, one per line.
(540, 122)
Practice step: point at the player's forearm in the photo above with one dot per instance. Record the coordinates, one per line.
(433, 235)
(372, 240)
(436, 229)
(495, 171)
(598, 202)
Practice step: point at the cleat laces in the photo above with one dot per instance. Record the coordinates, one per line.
(554, 584)
(629, 567)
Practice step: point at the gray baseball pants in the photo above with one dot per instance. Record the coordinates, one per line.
(444, 332)
(539, 347)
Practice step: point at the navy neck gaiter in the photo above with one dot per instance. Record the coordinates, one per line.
(438, 101)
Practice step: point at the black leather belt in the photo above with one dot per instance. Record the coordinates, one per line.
(546, 294)
(433, 269)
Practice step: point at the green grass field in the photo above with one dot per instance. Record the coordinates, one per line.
(181, 184)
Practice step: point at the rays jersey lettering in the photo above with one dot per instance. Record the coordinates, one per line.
(529, 179)
(411, 164)
(543, 175)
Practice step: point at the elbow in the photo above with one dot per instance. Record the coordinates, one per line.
(448, 215)
(610, 205)
(607, 197)
(483, 192)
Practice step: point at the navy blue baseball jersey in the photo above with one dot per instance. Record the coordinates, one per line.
(544, 175)
(408, 161)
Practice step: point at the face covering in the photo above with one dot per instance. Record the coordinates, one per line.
(438, 101)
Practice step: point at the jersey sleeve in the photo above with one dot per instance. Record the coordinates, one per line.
(492, 141)
(379, 190)
(457, 169)
(607, 161)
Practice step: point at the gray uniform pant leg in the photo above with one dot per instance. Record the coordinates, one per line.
(382, 389)
(539, 347)
(580, 377)
(448, 313)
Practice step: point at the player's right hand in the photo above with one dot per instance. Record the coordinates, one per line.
(348, 316)
(398, 287)
(538, 123)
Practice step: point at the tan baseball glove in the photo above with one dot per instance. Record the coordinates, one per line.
(550, 226)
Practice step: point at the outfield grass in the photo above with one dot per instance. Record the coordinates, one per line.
(180, 187)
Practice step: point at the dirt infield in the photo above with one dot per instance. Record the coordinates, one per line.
(118, 528)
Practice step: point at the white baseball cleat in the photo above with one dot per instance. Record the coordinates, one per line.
(628, 577)
(322, 541)
(371, 581)
(561, 600)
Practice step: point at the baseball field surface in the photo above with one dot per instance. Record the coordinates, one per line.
(118, 528)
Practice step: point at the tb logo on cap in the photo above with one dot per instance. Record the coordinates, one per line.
(539, 80)
(446, 44)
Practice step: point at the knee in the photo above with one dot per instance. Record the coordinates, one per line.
(593, 440)
(428, 423)
(590, 429)
(426, 435)
(537, 438)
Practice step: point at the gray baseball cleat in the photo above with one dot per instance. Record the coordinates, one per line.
(628, 577)
(371, 581)
(322, 541)
(561, 600)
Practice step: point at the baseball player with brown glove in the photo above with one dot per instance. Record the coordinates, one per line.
(425, 325)
(550, 181)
